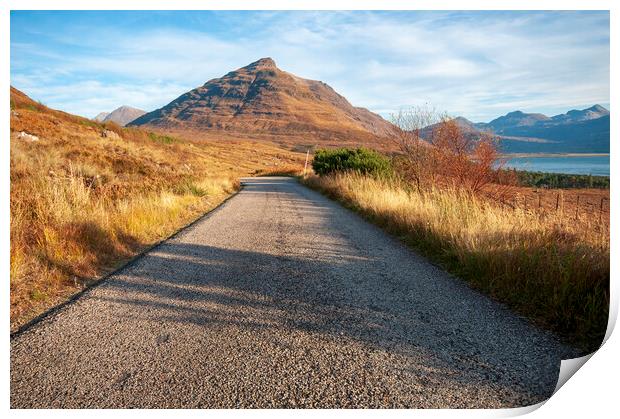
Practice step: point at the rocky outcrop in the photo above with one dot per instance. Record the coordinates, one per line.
(22, 135)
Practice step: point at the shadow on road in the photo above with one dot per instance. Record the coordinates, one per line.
(312, 273)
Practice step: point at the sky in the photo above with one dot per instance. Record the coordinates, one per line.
(476, 64)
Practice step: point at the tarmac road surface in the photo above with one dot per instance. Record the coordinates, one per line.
(282, 298)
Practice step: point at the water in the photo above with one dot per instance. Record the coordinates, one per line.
(586, 165)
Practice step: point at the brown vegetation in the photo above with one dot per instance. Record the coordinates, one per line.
(284, 170)
(549, 268)
(81, 203)
(571, 204)
(447, 155)
(543, 252)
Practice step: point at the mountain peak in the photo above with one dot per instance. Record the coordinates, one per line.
(462, 119)
(266, 62)
(598, 108)
(262, 100)
(121, 115)
(101, 116)
(593, 112)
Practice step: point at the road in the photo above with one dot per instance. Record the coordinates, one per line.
(282, 298)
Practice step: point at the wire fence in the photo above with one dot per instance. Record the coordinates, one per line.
(577, 207)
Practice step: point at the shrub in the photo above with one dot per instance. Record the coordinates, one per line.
(436, 148)
(359, 160)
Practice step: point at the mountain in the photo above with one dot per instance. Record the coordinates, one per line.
(260, 100)
(465, 125)
(122, 116)
(101, 116)
(577, 131)
(594, 112)
(581, 136)
(515, 119)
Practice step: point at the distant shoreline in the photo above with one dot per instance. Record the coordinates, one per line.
(535, 155)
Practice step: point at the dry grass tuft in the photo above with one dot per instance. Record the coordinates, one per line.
(553, 269)
(285, 170)
(82, 204)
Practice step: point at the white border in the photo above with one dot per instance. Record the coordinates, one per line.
(591, 393)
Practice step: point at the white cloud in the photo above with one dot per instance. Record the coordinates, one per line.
(88, 98)
(475, 64)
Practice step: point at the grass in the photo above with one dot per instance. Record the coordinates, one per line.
(293, 170)
(82, 205)
(551, 269)
(164, 139)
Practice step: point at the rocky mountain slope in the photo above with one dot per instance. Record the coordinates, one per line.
(262, 101)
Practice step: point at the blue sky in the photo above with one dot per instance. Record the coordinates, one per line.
(478, 64)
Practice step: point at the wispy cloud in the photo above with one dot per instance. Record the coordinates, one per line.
(476, 64)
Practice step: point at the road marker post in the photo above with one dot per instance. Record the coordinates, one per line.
(306, 164)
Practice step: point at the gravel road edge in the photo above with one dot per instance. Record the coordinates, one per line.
(52, 311)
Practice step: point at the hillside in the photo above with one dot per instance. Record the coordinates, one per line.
(86, 196)
(264, 102)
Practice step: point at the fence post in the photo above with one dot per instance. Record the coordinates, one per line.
(577, 208)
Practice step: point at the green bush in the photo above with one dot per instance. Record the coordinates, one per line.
(359, 160)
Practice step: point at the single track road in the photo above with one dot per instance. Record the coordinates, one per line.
(282, 298)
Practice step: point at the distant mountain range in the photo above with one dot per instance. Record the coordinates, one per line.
(577, 131)
(262, 101)
(122, 115)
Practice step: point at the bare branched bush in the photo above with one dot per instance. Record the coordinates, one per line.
(435, 149)
(416, 163)
(467, 160)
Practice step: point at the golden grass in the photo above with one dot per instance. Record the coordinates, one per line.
(552, 269)
(284, 170)
(81, 204)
